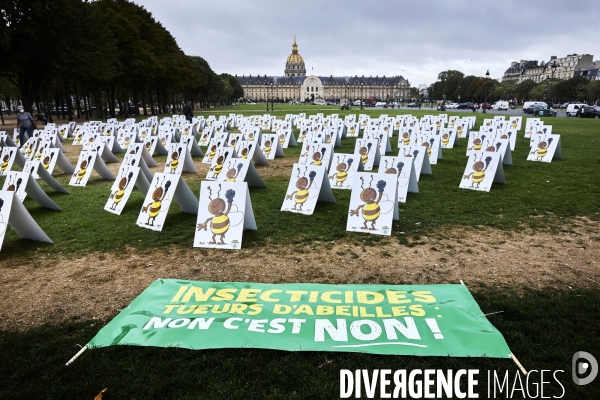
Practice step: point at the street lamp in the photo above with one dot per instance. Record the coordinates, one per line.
(347, 93)
(487, 75)
(458, 94)
(272, 100)
(553, 68)
(267, 95)
(546, 88)
(362, 84)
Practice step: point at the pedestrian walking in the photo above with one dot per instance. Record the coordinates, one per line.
(24, 124)
(188, 111)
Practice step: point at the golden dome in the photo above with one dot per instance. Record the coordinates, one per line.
(295, 58)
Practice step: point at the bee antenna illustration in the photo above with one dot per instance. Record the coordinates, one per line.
(362, 182)
(129, 176)
(386, 164)
(371, 181)
(338, 159)
(209, 193)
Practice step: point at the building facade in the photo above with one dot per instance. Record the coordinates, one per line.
(565, 68)
(294, 85)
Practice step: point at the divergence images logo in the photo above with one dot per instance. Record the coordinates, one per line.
(579, 367)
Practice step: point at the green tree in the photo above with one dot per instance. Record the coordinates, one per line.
(524, 88)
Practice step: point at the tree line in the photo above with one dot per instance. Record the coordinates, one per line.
(92, 57)
(454, 83)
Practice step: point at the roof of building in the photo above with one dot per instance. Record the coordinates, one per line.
(326, 80)
(295, 58)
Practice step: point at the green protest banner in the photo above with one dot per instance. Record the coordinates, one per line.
(428, 320)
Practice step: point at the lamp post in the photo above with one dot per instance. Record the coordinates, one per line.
(267, 95)
(362, 84)
(347, 93)
(546, 88)
(516, 96)
(458, 94)
(272, 100)
(553, 68)
(487, 75)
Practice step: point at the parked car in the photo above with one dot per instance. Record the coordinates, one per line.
(589, 112)
(345, 106)
(543, 111)
(500, 105)
(529, 108)
(412, 105)
(486, 106)
(441, 107)
(451, 106)
(465, 106)
(573, 109)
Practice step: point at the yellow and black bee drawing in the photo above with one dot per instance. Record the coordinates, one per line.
(82, 170)
(318, 157)
(371, 210)
(174, 163)
(5, 161)
(303, 185)
(12, 185)
(216, 169)
(478, 174)
(268, 147)
(477, 143)
(342, 169)
(245, 151)
(542, 149)
(158, 196)
(364, 153)
(232, 173)
(118, 195)
(220, 221)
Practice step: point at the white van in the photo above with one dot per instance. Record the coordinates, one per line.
(500, 105)
(573, 108)
(380, 104)
(357, 102)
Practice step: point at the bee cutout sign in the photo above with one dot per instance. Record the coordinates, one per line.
(308, 184)
(404, 170)
(251, 151)
(483, 169)
(22, 184)
(102, 151)
(52, 157)
(286, 138)
(539, 132)
(165, 188)
(373, 203)
(448, 138)
(224, 212)
(344, 166)
(545, 149)
(88, 161)
(317, 154)
(421, 163)
(240, 170)
(431, 145)
(8, 157)
(494, 145)
(191, 145)
(369, 153)
(179, 160)
(271, 146)
(15, 215)
(128, 178)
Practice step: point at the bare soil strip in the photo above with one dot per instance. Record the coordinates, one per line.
(42, 290)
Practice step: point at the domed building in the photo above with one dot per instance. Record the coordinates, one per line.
(294, 66)
(294, 85)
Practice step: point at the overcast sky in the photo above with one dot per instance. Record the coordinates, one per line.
(415, 39)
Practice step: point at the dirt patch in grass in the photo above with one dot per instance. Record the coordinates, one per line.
(42, 289)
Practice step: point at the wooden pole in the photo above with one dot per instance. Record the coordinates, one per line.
(518, 364)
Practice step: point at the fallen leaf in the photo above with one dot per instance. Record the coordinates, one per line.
(99, 396)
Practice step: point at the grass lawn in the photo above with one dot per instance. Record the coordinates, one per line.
(543, 327)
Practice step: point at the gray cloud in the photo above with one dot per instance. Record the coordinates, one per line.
(416, 39)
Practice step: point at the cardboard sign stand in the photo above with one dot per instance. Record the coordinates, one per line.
(50, 181)
(64, 164)
(184, 197)
(38, 195)
(19, 219)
